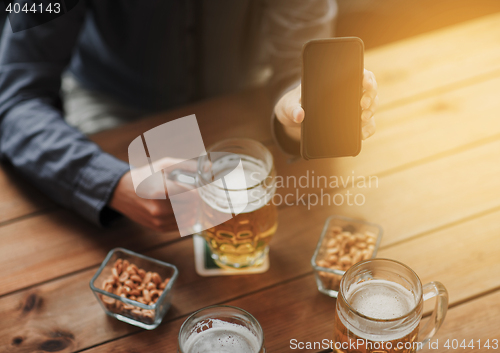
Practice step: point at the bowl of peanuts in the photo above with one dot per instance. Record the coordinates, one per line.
(343, 242)
(134, 288)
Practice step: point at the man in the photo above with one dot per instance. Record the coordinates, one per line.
(128, 58)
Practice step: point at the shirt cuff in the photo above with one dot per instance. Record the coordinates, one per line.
(95, 186)
(285, 142)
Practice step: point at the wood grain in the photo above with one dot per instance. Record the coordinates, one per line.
(474, 320)
(17, 197)
(430, 63)
(432, 128)
(407, 203)
(437, 256)
(56, 244)
(457, 256)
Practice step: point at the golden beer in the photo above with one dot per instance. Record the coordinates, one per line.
(238, 216)
(382, 300)
(379, 308)
(243, 239)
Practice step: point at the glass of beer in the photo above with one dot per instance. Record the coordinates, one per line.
(221, 329)
(236, 183)
(379, 308)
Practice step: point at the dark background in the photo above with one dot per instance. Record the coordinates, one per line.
(379, 22)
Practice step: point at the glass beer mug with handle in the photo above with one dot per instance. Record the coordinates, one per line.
(236, 183)
(221, 329)
(379, 308)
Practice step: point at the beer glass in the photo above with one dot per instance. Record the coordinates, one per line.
(236, 183)
(221, 329)
(379, 308)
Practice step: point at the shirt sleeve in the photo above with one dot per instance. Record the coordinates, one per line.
(289, 24)
(34, 137)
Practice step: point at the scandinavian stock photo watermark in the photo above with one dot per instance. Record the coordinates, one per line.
(311, 189)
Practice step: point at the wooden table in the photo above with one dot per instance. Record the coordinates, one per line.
(437, 158)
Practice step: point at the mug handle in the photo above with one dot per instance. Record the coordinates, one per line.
(182, 177)
(431, 290)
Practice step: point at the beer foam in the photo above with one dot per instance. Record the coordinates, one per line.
(380, 299)
(244, 191)
(221, 337)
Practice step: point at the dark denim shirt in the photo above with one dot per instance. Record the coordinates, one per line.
(146, 54)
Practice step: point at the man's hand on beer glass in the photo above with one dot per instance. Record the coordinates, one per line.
(290, 113)
(150, 210)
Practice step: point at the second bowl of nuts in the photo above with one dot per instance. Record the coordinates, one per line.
(343, 242)
(134, 288)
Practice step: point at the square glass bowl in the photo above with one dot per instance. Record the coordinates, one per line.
(328, 278)
(130, 311)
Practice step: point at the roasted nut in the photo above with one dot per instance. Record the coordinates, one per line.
(131, 270)
(163, 285)
(343, 249)
(129, 281)
(114, 273)
(135, 292)
(125, 264)
(123, 277)
(154, 294)
(130, 284)
(107, 300)
(110, 281)
(332, 259)
(332, 251)
(137, 312)
(156, 278)
(146, 295)
(147, 277)
(128, 307)
(148, 313)
(136, 278)
(336, 230)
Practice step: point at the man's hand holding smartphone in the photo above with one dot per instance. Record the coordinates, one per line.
(289, 110)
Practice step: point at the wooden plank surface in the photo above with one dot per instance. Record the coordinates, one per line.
(453, 251)
(17, 197)
(432, 128)
(427, 196)
(474, 320)
(437, 199)
(436, 61)
(58, 243)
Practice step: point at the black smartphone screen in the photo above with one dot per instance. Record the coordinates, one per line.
(332, 74)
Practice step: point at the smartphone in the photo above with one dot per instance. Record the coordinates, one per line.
(332, 77)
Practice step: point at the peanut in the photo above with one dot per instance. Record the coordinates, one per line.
(341, 249)
(136, 278)
(129, 281)
(156, 278)
(146, 295)
(123, 277)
